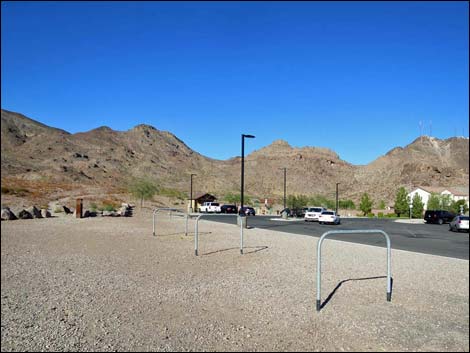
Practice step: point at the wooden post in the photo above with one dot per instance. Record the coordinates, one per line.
(78, 208)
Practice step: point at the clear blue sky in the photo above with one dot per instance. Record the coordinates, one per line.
(356, 77)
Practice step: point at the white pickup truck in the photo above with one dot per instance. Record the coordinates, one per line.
(210, 207)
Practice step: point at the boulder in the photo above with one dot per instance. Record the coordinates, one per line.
(125, 210)
(25, 215)
(8, 215)
(67, 210)
(45, 213)
(35, 212)
(88, 213)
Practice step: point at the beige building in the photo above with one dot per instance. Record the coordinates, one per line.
(456, 193)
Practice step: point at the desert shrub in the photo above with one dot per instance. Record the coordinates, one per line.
(58, 209)
(108, 207)
(14, 191)
(172, 193)
(93, 206)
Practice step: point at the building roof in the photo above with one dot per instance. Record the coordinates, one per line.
(454, 190)
(204, 195)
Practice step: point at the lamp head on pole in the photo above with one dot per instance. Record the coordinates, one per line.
(248, 136)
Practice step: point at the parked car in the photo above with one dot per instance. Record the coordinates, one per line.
(228, 209)
(438, 216)
(329, 217)
(459, 223)
(313, 213)
(294, 212)
(210, 207)
(249, 211)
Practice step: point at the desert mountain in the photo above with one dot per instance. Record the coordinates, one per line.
(103, 157)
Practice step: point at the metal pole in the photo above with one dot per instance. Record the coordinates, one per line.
(241, 237)
(186, 227)
(154, 215)
(285, 171)
(337, 198)
(242, 178)
(191, 194)
(196, 237)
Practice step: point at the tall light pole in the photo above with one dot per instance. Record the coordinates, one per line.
(243, 172)
(285, 172)
(337, 198)
(191, 193)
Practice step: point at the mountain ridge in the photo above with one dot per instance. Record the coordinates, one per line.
(34, 151)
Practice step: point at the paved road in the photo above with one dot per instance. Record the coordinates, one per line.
(423, 238)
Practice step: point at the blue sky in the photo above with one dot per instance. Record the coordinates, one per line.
(356, 77)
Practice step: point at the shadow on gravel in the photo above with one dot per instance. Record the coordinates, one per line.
(351, 279)
(257, 248)
(181, 233)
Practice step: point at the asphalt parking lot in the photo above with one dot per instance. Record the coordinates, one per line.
(423, 238)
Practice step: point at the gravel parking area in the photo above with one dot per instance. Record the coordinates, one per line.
(107, 284)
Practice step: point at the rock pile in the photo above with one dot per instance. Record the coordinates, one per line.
(126, 210)
(8, 215)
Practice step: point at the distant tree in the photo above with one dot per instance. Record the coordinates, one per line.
(346, 204)
(434, 202)
(291, 201)
(445, 202)
(366, 204)
(235, 199)
(302, 201)
(456, 206)
(382, 205)
(402, 202)
(319, 200)
(232, 198)
(297, 201)
(142, 189)
(418, 206)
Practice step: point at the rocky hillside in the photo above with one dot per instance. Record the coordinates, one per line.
(31, 151)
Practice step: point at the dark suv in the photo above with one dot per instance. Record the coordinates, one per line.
(249, 211)
(228, 209)
(294, 212)
(438, 216)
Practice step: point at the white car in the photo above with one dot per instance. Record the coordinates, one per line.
(329, 217)
(313, 213)
(459, 223)
(210, 207)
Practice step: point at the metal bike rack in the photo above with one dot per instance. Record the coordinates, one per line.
(166, 209)
(196, 231)
(387, 238)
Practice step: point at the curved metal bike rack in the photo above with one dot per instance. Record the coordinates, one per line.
(154, 216)
(196, 231)
(389, 276)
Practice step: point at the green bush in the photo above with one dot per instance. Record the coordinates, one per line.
(172, 193)
(14, 191)
(380, 215)
(108, 207)
(371, 215)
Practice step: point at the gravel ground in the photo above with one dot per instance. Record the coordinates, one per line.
(107, 284)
